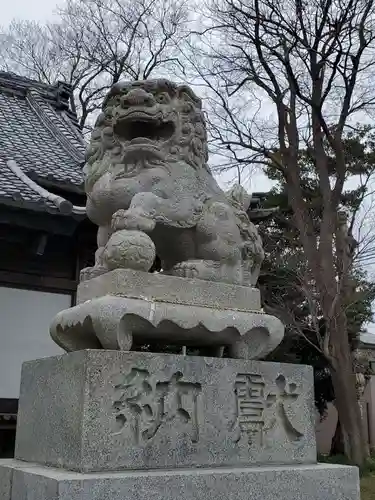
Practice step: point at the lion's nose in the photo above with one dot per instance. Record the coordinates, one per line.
(137, 97)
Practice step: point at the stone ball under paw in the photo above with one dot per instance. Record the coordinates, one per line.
(129, 250)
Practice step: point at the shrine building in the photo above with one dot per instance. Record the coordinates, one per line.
(45, 237)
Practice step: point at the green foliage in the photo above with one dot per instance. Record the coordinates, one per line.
(287, 289)
(368, 487)
(366, 470)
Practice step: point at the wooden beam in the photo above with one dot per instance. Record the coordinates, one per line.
(35, 282)
(8, 405)
(40, 221)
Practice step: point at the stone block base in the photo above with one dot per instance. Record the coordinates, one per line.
(20, 481)
(96, 411)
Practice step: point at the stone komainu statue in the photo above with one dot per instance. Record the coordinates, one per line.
(150, 190)
(151, 193)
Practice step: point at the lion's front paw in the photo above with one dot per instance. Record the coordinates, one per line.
(133, 219)
(186, 270)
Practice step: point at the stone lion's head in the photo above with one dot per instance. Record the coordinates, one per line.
(144, 123)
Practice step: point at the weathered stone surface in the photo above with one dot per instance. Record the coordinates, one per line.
(175, 290)
(147, 171)
(6, 476)
(114, 322)
(122, 304)
(8, 468)
(58, 401)
(304, 482)
(115, 410)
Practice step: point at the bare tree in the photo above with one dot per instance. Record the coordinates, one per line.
(283, 75)
(95, 43)
(26, 48)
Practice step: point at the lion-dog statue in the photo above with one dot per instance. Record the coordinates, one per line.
(146, 171)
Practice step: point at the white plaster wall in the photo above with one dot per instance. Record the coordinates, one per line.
(25, 317)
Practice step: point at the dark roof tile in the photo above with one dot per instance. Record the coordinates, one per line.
(15, 192)
(40, 133)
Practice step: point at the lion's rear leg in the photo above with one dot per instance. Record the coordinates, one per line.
(194, 269)
(99, 268)
(209, 270)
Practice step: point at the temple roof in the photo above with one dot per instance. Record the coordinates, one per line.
(41, 144)
(42, 148)
(256, 212)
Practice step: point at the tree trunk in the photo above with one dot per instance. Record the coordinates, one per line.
(337, 445)
(347, 406)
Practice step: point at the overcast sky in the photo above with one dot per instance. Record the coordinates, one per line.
(43, 10)
(38, 10)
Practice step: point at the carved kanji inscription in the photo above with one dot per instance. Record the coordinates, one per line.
(145, 405)
(252, 399)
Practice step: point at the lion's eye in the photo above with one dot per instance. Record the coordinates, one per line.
(162, 98)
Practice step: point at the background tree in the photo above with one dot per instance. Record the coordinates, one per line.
(282, 280)
(284, 77)
(95, 43)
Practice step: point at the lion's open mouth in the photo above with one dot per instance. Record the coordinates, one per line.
(151, 130)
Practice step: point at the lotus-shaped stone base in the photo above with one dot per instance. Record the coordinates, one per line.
(123, 306)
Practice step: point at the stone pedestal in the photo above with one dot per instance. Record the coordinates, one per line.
(113, 425)
(114, 410)
(19, 481)
(125, 305)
